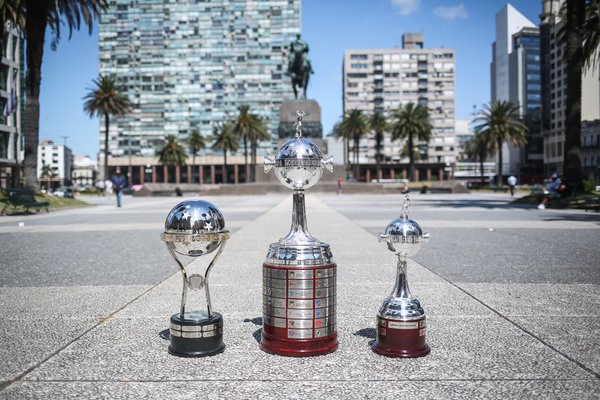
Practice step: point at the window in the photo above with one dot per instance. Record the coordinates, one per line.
(358, 56)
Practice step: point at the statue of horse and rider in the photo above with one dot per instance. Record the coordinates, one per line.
(299, 67)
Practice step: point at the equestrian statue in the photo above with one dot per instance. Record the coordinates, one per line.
(299, 67)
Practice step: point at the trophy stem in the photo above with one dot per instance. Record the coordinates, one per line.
(401, 289)
(299, 231)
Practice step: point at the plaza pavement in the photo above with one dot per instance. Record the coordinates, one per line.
(511, 293)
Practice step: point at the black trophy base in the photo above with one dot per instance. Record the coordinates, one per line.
(190, 337)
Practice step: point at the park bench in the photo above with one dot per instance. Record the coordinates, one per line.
(589, 202)
(23, 198)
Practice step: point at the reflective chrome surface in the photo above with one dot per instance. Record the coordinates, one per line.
(298, 165)
(404, 237)
(194, 228)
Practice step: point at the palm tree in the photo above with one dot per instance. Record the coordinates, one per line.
(195, 141)
(378, 123)
(478, 148)
(501, 122)
(47, 172)
(354, 125)
(32, 17)
(410, 122)
(573, 34)
(105, 99)
(248, 127)
(225, 141)
(591, 34)
(172, 153)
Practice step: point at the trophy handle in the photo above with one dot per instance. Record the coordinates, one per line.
(184, 274)
(327, 163)
(425, 238)
(206, 289)
(269, 164)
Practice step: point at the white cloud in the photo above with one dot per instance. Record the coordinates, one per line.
(406, 7)
(451, 13)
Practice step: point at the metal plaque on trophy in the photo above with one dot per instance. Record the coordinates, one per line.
(193, 229)
(401, 319)
(299, 275)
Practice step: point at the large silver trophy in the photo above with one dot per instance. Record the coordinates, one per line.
(195, 228)
(299, 274)
(401, 319)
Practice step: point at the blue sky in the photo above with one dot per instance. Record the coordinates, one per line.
(329, 27)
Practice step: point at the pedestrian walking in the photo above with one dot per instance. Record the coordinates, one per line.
(119, 183)
(340, 183)
(512, 182)
(108, 188)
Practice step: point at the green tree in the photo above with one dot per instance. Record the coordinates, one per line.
(478, 148)
(378, 124)
(195, 142)
(248, 127)
(225, 141)
(47, 172)
(410, 122)
(32, 17)
(172, 153)
(591, 34)
(501, 122)
(354, 125)
(105, 99)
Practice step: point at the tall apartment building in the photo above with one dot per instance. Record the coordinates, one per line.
(525, 92)
(188, 65)
(554, 92)
(383, 79)
(60, 159)
(506, 74)
(11, 77)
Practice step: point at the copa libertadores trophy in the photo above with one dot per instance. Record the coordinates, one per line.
(299, 275)
(195, 228)
(401, 319)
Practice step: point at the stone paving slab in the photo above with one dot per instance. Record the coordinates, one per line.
(297, 389)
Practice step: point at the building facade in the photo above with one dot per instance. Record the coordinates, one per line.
(188, 65)
(59, 159)
(525, 92)
(84, 171)
(507, 71)
(384, 79)
(11, 78)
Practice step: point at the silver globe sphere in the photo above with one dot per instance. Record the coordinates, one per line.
(298, 164)
(404, 237)
(200, 220)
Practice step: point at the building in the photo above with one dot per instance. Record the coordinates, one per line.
(11, 78)
(188, 65)
(508, 61)
(525, 91)
(84, 171)
(590, 150)
(383, 79)
(554, 93)
(59, 158)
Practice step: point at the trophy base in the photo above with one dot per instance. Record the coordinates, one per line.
(196, 337)
(403, 339)
(296, 347)
(299, 304)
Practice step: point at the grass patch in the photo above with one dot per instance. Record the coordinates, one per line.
(55, 203)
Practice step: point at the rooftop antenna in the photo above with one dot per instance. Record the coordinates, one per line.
(65, 137)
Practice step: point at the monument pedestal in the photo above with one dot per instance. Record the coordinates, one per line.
(311, 122)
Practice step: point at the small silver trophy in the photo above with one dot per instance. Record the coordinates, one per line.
(195, 228)
(299, 273)
(401, 319)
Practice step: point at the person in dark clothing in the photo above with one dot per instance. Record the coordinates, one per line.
(119, 183)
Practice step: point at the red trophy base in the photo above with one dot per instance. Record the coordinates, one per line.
(299, 310)
(404, 339)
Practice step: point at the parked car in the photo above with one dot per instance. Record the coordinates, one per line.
(64, 192)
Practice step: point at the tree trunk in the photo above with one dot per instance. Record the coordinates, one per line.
(224, 165)
(574, 54)
(106, 125)
(411, 157)
(35, 32)
(481, 160)
(193, 165)
(247, 177)
(356, 168)
(378, 140)
(499, 177)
